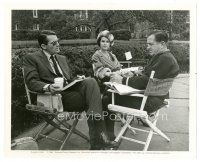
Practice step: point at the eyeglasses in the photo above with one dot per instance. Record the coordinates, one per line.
(54, 42)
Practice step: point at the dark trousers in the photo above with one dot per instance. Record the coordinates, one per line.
(85, 96)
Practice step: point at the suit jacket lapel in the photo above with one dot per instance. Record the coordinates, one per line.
(46, 62)
(64, 67)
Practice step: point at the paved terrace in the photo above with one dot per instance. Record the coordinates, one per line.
(174, 121)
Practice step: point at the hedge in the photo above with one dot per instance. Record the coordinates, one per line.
(25, 34)
(122, 34)
(63, 34)
(80, 63)
(21, 119)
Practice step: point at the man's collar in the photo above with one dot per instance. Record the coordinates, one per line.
(162, 51)
(47, 54)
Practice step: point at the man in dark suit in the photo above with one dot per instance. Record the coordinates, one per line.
(162, 62)
(41, 68)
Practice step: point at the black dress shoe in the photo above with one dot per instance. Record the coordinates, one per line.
(97, 148)
(106, 142)
(112, 138)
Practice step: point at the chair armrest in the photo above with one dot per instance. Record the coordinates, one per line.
(51, 101)
(127, 110)
(133, 94)
(41, 109)
(45, 93)
(125, 62)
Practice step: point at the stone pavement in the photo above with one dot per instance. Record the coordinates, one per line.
(173, 121)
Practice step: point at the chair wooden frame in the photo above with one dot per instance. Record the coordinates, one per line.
(50, 114)
(155, 87)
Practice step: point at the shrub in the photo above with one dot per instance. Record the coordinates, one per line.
(25, 34)
(21, 119)
(181, 53)
(122, 34)
(80, 58)
(84, 35)
(66, 34)
(62, 34)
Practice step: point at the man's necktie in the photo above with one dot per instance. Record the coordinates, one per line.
(55, 66)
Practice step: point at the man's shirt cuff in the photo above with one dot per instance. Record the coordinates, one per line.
(45, 88)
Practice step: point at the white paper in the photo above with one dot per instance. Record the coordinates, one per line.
(128, 55)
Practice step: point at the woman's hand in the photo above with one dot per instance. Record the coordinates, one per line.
(128, 74)
(138, 72)
(108, 72)
(115, 77)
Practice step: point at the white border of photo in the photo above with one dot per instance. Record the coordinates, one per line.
(5, 67)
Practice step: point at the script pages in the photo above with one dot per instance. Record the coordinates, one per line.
(72, 83)
(122, 89)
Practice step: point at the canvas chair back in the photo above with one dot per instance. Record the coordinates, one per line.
(158, 87)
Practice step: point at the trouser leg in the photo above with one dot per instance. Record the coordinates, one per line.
(95, 130)
(89, 89)
(109, 117)
(87, 95)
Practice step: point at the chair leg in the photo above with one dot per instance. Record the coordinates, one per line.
(151, 133)
(44, 125)
(75, 131)
(124, 128)
(69, 133)
(51, 122)
(148, 140)
(154, 128)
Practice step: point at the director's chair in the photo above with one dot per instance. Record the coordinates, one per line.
(50, 108)
(155, 87)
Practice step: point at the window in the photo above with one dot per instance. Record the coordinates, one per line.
(35, 26)
(81, 28)
(86, 14)
(170, 17)
(35, 14)
(188, 19)
(89, 29)
(80, 14)
(16, 26)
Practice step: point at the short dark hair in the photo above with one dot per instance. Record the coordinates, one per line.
(160, 36)
(42, 38)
